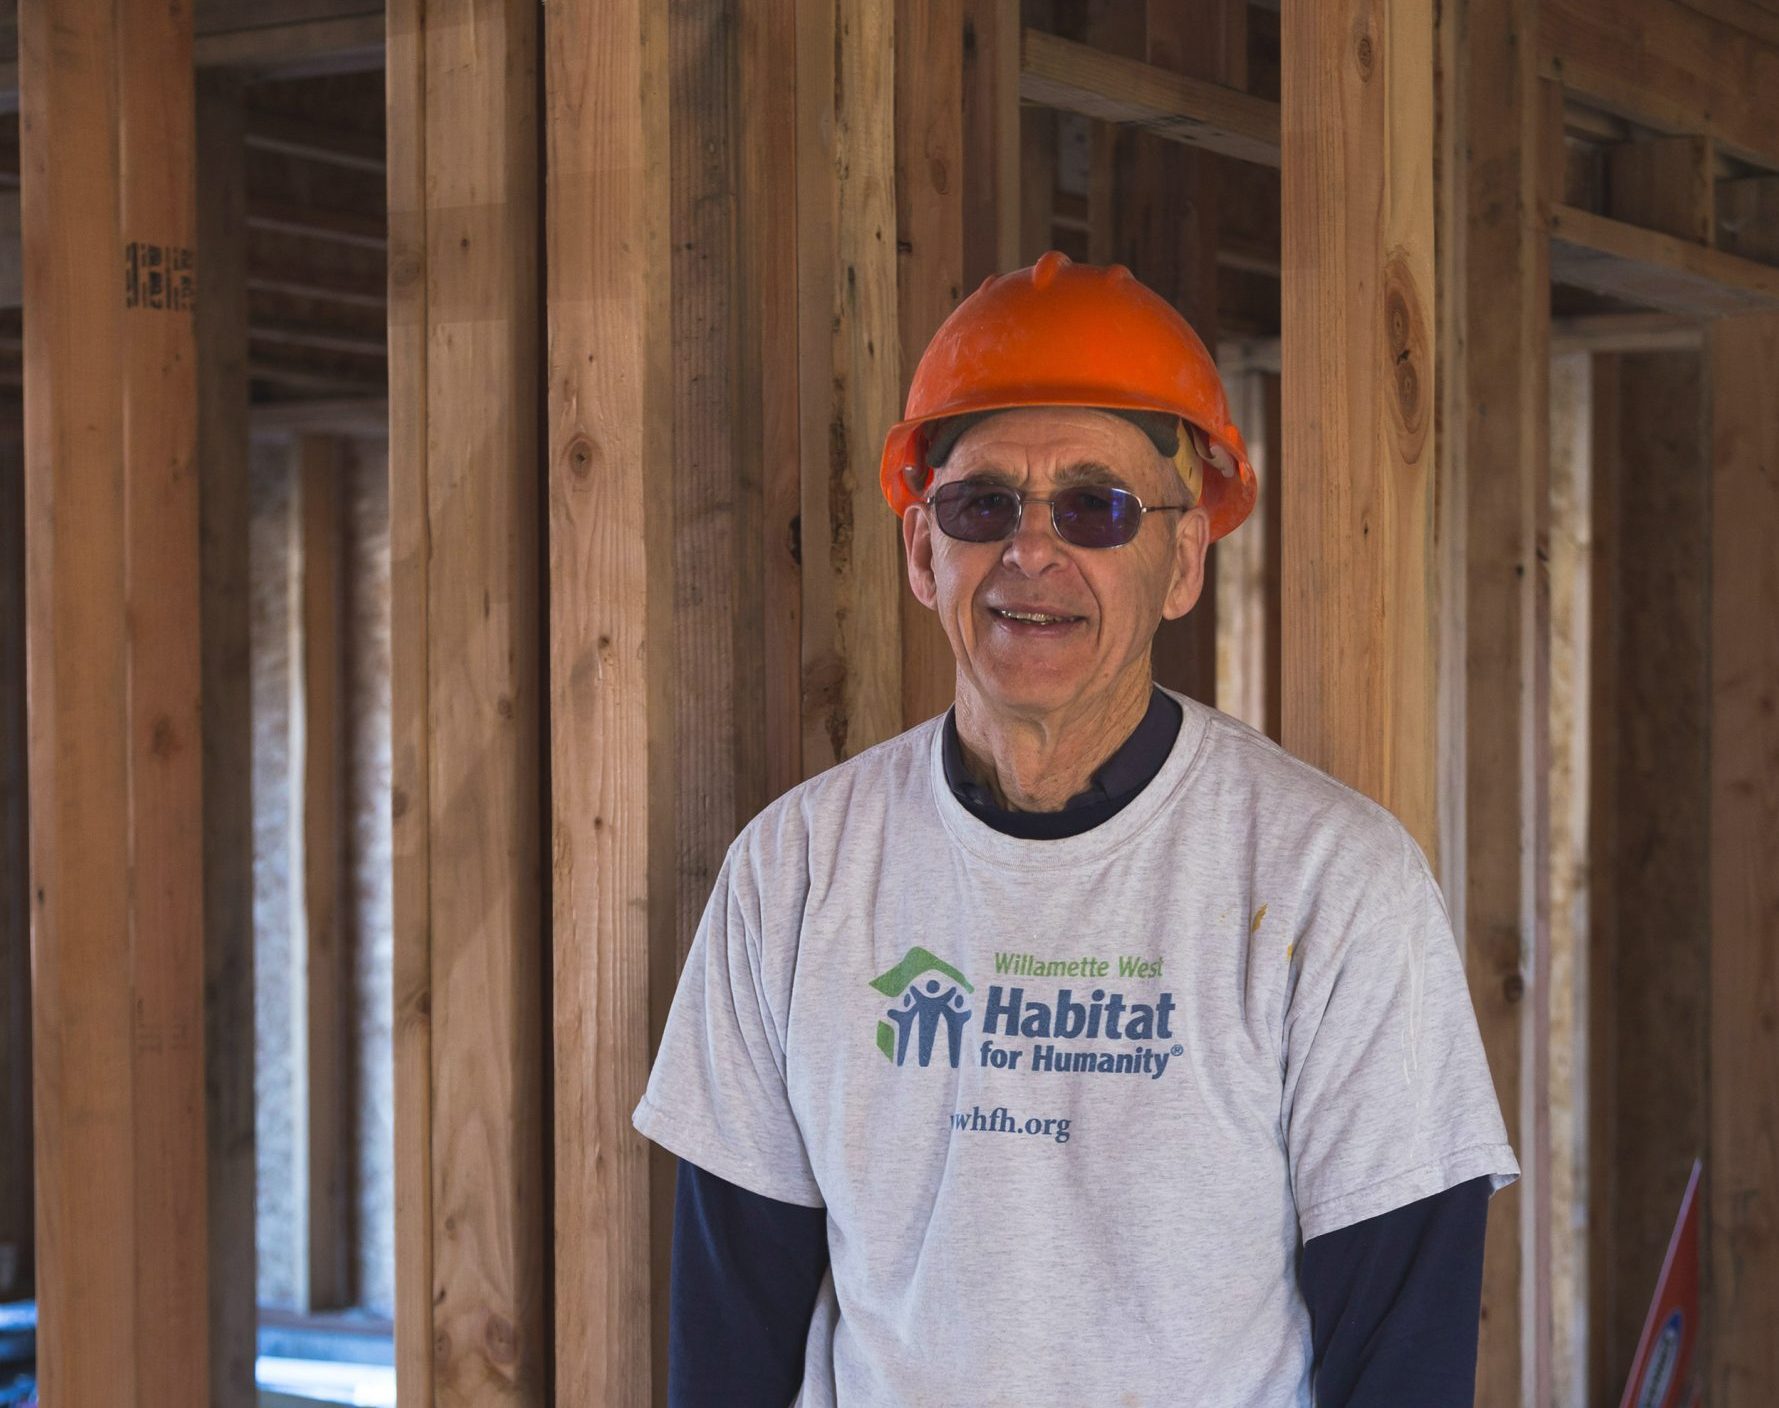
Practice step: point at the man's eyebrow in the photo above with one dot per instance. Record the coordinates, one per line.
(1090, 472)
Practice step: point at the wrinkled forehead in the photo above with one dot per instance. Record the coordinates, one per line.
(1058, 444)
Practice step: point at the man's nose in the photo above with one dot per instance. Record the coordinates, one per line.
(1035, 545)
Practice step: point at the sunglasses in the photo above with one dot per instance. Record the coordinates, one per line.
(1087, 515)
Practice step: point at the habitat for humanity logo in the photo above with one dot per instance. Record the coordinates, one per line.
(928, 989)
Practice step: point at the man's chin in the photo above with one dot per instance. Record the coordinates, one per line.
(1029, 691)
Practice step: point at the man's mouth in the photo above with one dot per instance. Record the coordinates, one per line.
(1034, 618)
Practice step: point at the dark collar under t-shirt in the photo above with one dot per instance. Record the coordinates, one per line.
(1114, 783)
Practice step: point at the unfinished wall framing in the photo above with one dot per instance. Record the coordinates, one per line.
(634, 289)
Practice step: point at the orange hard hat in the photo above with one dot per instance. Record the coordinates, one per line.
(1067, 334)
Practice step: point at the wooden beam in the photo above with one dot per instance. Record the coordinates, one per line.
(360, 417)
(316, 142)
(466, 336)
(1743, 1260)
(1168, 211)
(325, 339)
(1668, 66)
(222, 467)
(1648, 911)
(930, 190)
(1663, 184)
(17, 1238)
(1624, 332)
(410, 711)
(610, 412)
(323, 287)
(850, 360)
(1509, 116)
(320, 547)
(1605, 1354)
(993, 150)
(1358, 399)
(308, 48)
(116, 765)
(349, 227)
(335, 382)
(1071, 77)
(12, 268)
(305, 48)
(1654, 270)
(769, 422)
(718, 774)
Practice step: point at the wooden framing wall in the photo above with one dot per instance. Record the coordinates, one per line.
(113, 561)
(837, 178)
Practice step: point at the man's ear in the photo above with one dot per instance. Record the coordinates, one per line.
(917, 539)
(1192, 539)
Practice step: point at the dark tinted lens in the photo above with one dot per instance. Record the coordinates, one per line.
(977, 513)
(1096, 517)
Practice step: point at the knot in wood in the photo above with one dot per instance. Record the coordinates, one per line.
(582, 457)
(1406, 343)
(1364, 47)
(501, 1339)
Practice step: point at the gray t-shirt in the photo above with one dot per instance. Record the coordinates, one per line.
(1072, 1105)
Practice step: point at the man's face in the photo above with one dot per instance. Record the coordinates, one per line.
(1112, 598)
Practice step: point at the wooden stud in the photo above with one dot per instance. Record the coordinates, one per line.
(320, 545)
(1169, 203)
(157, 205)
(1357, 392)
(1648, 908)
(16, 1235)
(1272, 498)
(116, 769)
(410, 802)
(1570, 459)
(1503, 185)
(1606, 1364)
(610, 411)
(1663, 184)
(930, 180)
(1037, 182)
(850, 361)
(465, 338)
(228, 738)
(993, 144)
(1742, 1168)
(767, 398)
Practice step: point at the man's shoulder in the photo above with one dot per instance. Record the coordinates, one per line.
(871, 779)
(1298, 804)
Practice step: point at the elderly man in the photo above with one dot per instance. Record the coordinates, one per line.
(1079, 1046)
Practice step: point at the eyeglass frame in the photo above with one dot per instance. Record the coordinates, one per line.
(1021, 499)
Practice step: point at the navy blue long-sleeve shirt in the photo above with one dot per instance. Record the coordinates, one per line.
(1393, 1300)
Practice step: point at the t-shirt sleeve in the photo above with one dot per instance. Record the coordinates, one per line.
(717, 1095)
(1387, 1095)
